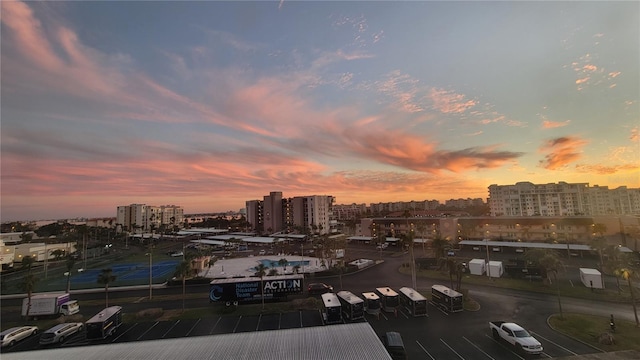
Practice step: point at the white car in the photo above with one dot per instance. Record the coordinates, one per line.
(11, 336)
(59, 333)
(262, 252)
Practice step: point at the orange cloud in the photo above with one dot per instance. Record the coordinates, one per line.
(561, 151)
(635, 135)
(546, 124)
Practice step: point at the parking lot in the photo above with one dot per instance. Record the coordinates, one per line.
(438, 336)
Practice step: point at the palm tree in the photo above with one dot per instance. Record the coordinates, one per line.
(183, 270)
(626, 274)
(283, 262)
(29, 281)
(273, 272)
(261, 270)
(439, 244)
(296, 269)
(105, 277)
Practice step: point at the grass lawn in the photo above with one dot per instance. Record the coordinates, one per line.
(588, 328)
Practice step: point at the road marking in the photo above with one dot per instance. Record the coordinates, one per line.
(384, 316)
(425, 350)
(510, 349)
(214, 326)
(450, 348)
(193, 327)
(475, 346)
(238, 323)
(558, 345)
(171, 328)
(258, 324)
(144, 333)
(118, 337)
(280, 321)
(301, 318)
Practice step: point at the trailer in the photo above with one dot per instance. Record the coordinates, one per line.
(413, 301)
(331, 309)
(495, 269)
(352, 306)
(388, 299)
(49, 305)
(245, 289)
(104, 324)
(371, 303)
(446, 299)
(477, 266)
(591, 278)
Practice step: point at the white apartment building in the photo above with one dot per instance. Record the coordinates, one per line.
(142, 217)
(561, 199)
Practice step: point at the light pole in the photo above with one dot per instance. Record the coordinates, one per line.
(150, 268)
(488, 258)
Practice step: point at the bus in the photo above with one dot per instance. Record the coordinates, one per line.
(371, 303)
(388, 299)
(413, 301)
(352, 306)
(105, 323)
(446, 299)
(331, 309)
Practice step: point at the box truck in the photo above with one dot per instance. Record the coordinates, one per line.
(495, 269)
(50, 305)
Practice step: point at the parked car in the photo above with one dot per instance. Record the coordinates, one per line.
(11, 336)
(59, 333)
(319, 288)
(393, 342)
(382, 246)
(262, 252)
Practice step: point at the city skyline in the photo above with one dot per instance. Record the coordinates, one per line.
(206, 105)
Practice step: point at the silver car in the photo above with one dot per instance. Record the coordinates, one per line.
(11, 336)
(59, 333)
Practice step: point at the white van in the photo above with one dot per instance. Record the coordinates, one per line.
(11, 336)
(58, 333)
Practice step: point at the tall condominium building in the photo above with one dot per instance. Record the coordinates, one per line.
(302, 213)
(561, 199)
(272, 212)
(463, 203)
(349, 212)
(142, 217)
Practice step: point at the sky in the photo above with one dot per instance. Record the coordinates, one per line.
(209, 104)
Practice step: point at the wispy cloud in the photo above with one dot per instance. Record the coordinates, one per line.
(598, 169)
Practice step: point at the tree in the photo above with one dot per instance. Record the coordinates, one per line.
(439, 244)
(273, 272)
(105, 278)
(296, 269)
(552, 264)
(182, 271)
(599, 244)
(283, 262)
(261, 270)
(626, 274)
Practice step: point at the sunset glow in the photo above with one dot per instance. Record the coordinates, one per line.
(208, 104)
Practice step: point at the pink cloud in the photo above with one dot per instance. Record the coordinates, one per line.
(561, 151)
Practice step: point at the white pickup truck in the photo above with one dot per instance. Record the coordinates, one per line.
(515, 335)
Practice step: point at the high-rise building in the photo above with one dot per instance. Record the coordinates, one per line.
(272, 212)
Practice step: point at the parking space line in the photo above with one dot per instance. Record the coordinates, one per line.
(118, 337)
(301, 319)
(403, 314)
(194, 325)
(558, 345)
(476, 346)
(450, 348)
(144, 333)
(171, 328)
(237, 323)
(214, 326)
(425, 350)
(280, 321)
(384, 316)
(504, 347)
(258, 324)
